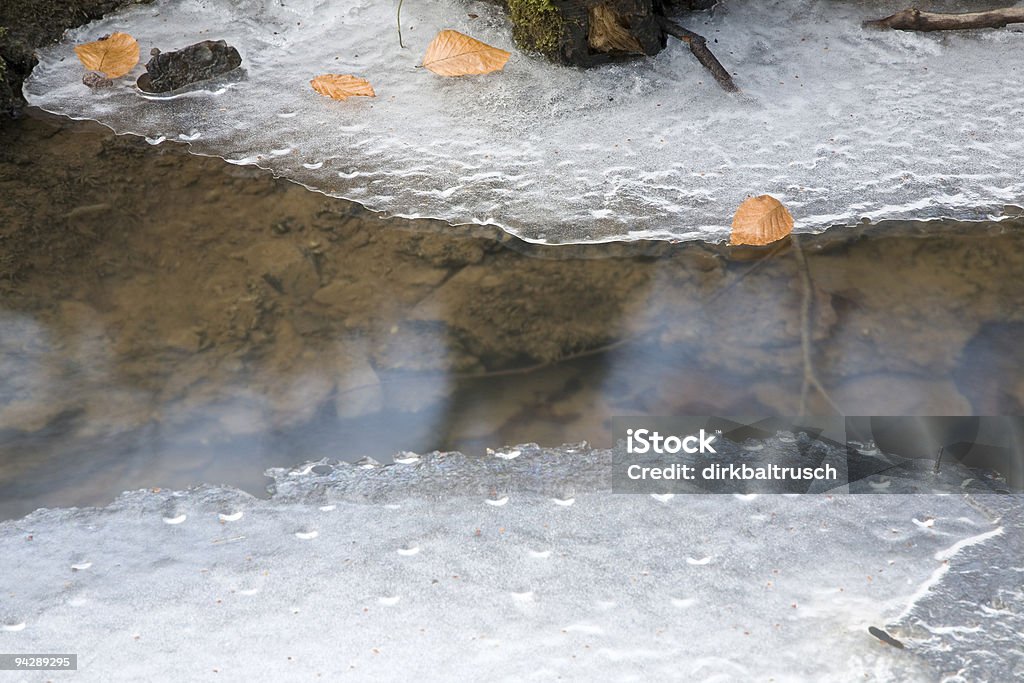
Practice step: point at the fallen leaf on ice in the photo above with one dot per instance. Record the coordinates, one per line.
(760, 220)
(451, 53)
(341, 87)
(113, 55)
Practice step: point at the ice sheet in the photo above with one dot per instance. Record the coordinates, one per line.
(519, 566)
(839, 122)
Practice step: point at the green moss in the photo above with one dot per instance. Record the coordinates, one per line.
(536, 25)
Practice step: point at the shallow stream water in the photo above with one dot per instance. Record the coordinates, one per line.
(167, 320)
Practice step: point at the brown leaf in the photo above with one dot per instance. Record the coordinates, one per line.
(113, 56)
(451, 53)
(341, 87)
(760, 220)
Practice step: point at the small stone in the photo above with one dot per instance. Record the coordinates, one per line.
(95, 80)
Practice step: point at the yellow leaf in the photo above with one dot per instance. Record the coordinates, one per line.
(113, 56)
(760, 220)
(451, 53)
(341, 87)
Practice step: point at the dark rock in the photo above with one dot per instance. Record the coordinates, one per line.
(95, 80)
(168, 71)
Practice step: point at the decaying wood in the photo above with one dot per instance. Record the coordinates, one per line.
(591, 32)
(916, 20)
(606, 34)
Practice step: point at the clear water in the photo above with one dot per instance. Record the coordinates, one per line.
(168, 320)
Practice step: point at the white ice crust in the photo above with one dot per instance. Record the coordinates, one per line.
(455, 568)
(841, 123)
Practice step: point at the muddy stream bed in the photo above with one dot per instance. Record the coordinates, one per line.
(167, 320)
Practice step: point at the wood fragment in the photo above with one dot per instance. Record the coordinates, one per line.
(916, 20)
(885, 637)
(699, 47)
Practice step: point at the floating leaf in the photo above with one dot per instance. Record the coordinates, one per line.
(341, 87)
(113, 55)
(760, 220)
(451, 53)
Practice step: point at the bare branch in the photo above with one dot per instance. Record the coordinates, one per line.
(699, 47)
(916, 20)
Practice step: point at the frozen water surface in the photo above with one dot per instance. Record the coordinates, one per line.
(516, 568)
(839, 122)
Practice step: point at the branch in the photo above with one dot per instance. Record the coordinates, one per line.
(916, 20)
(806, 339)
(699, 47)
(398, 19)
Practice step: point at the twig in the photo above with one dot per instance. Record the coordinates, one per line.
(699, 47)
(398, 17)
(916, 20)
(806, 309)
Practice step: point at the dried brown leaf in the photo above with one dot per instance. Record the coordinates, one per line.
(760, 220)
(451, 53)
(341, 87)
(113, 56)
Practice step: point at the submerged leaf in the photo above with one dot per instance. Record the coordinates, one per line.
(341, 87)
(760, 220)
(451, 53)
(113, 56)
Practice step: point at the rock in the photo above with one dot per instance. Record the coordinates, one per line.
(491, 408)
(334, 294)
(115, 411)
(417, 393)
(295, 399)
(358, 390)
(168, 71)
(780, 401)
(291, 379)
(444, 251)
(896, 395)
(188, 340)
(988, 372)
(1018, 392)
(421, 277)
(536, 310)
(242, 417)
(95, 80)
(418, 346)
(30, 415)
(283, 267)
(869, 395)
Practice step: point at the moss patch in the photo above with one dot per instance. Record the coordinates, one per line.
(536, 25)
